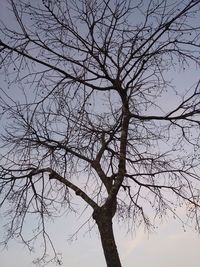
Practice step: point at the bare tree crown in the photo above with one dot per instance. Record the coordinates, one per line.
(84, 115)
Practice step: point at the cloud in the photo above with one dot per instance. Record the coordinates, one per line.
(169, 247)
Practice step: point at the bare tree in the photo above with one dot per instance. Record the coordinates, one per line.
(86, 114)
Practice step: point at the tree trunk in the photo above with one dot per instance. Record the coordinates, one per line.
(104, 222)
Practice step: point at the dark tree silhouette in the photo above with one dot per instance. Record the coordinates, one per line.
(86, 117)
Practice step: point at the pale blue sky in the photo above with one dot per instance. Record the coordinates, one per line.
(168, 246)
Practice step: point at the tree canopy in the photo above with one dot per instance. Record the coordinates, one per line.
(89, 110)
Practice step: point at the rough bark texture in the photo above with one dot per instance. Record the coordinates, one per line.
(104, 221)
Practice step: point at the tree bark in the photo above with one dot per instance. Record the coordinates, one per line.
(105, 226)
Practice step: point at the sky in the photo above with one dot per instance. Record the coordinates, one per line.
(168, 246)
